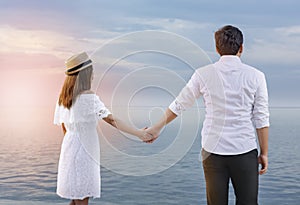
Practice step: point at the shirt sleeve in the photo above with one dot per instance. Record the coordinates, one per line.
(187, 96)
(261, 106)
(100, 110)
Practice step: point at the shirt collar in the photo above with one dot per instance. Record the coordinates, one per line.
(231, 62)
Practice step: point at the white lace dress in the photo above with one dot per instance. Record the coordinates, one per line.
(79, 162)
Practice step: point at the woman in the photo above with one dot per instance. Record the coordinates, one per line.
(77, 111)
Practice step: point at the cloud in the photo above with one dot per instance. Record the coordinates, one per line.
(46, 33)
(169, 24)
(14, 40)
(272, 53)
(274, 46)
(31, 62)
(291, 31)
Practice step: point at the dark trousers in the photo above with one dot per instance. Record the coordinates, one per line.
(241, 169)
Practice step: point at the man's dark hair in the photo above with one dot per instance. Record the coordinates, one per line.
(228, 40)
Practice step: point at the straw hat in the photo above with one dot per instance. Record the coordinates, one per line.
(77, 63)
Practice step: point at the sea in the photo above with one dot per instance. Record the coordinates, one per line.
(30, 148)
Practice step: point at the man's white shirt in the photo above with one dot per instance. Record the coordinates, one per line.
(236, 102)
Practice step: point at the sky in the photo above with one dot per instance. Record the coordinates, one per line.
(36, 37)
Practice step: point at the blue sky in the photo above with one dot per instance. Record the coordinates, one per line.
(40, 35)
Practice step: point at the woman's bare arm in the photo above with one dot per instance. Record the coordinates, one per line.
(120, 125)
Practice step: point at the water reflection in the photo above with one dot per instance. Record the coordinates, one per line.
(29, 156)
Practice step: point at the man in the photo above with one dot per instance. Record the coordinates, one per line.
(236, 103)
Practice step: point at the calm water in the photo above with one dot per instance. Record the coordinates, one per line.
(29, 156)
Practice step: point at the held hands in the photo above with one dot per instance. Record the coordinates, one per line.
(150, 134)
(145, 136)
(154, 132)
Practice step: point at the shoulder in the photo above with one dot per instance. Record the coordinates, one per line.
(250, 70)
(87, 98)
(201, 71)
(205, 72)
(204, 68)
(96, 99)
(87, 94)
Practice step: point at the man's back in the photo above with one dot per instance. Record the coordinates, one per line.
(232, 92)
(235, 97)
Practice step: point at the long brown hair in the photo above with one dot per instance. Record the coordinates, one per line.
(74, 85)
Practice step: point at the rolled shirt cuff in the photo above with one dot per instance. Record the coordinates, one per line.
(260, 123)
(176, 107)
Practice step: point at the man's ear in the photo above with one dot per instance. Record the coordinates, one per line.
(241, 50)
(217, 51)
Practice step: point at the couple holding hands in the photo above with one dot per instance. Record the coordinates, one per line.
(236, 104)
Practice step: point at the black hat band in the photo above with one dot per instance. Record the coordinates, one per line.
(79, 66)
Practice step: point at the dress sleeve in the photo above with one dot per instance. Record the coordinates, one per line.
(100, 110)
(61, 115)
(56, 120)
